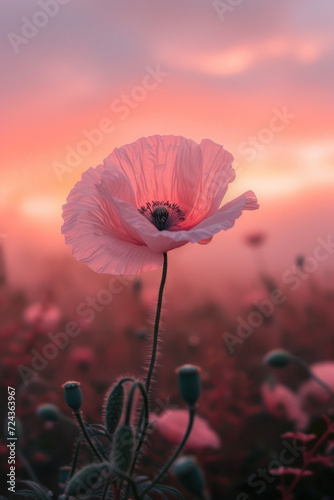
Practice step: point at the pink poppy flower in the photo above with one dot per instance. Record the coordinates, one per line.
(281, 402)
(150, 197)
(313, 397)
(172, 425)
(81, 357)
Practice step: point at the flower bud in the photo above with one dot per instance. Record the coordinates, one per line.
(73, 395)
(48, 412)
(189, 383)
(278, 358)
(190, 476)
(123, 448)
(114, 407)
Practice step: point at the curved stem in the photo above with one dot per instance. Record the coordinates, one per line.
(192, 412)
(156, 324)
(130, 482)
(78, 416)
(138, 385)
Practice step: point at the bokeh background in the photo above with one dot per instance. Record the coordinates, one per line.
(255, 76)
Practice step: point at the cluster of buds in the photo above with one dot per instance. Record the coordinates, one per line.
(125, 441)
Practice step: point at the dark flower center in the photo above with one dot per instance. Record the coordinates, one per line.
(163, 215)
(160, 217)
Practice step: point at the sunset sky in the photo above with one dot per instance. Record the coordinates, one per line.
(257, 78)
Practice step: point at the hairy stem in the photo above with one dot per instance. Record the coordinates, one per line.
(152, 363)
(156, 324)
(75, 459)
(138, 385)
(78, 416)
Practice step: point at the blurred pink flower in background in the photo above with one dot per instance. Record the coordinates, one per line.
(255, 239)
(254, 298)
(41, 315)
(313, 397)
(147, 198)
(172, 425)
(81, 357)
(281, 402)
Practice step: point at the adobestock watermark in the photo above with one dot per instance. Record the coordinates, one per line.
(226, 7)
(252, 145)
(31, 27)
(249, 148)
(87, 310)
(120, 109)
(264, 476)
(293, 278)
(90, 479)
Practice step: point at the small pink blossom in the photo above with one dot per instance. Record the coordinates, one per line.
(44, 316)
(149, 197)
(172, 425)
(255, 239)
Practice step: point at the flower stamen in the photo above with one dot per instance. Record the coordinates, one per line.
(163, 215)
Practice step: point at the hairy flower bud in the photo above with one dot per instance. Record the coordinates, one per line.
(123, 448)
(189, 383)
(114, 407)
(73, 395)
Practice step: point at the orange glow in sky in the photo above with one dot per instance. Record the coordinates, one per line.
(101, 74)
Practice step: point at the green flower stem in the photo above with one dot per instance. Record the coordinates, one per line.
(106, 491)
(130, 482)
(192, 413)
(78, 416)
(141, 434)
(156, 324)
(152, 362)
(75, 458)
(320, 382)
(138, 385)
